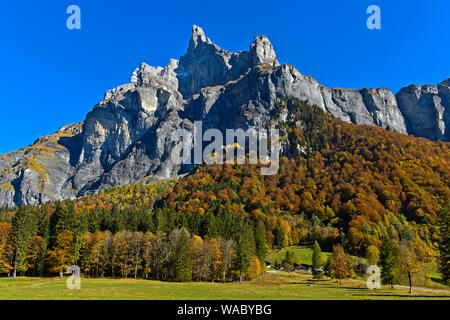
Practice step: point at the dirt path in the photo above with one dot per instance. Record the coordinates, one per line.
(424, 289)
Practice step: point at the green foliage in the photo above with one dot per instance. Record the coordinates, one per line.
(181, 259)
(288, 262)
(317, 261)
(372, 255)
(338, 183)
(245, 248)
(328, 269)
(388, 261)
(444, 243)
(24, 227)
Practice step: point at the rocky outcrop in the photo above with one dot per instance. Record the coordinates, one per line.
(125, 139)
(207, 65)
(426, 110)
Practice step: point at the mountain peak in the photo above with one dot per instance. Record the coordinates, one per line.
(262, 51)
(198, 35)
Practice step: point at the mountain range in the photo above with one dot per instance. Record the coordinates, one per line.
(125, 139)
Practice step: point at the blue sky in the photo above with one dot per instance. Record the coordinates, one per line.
(52, 76)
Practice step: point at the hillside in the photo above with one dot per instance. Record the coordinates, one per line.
(342, 183)
(126, 137)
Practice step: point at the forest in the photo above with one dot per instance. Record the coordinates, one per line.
(340, 185)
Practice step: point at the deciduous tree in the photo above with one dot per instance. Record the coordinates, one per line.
(341, 263)
(444, 244)
(62, 254)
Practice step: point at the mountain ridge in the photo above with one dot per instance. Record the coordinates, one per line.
(126, 137)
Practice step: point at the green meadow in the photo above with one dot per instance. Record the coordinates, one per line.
(271, 286)
(303, 252)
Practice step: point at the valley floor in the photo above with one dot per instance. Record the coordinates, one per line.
(271, 286)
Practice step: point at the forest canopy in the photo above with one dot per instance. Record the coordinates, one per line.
(338, 183)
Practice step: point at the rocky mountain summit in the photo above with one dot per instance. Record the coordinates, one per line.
(126, 138)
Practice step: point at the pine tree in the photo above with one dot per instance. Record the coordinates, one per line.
(260, 243)
(59, 222)
(388, 261)
(329, 272)
(444, 244)
(244, 250)
(276, 264)
(25, 227)
(288, 263)
(317, 261)
(182, 256)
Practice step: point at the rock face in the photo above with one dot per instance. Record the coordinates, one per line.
(426, 110)
(126, 138)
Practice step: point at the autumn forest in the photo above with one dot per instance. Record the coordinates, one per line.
(346, 187)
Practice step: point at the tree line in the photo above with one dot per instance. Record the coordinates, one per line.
(35, 244)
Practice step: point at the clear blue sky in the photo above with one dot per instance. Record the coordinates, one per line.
(51, 76)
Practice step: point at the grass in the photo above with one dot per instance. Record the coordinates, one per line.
(272, 286)
(303, 252)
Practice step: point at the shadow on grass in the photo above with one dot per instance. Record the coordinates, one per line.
(440, 281)
(407, 296)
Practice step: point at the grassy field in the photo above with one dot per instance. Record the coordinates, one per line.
(271, 286)
(304, 253)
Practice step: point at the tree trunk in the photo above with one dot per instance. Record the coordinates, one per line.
(240, 277)
(14, 273)
(410, 282)
(224, 277)
(136, 265)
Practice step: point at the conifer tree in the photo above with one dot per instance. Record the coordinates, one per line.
(329, 272)
(317, 261)
(182, 257)
(25, 227)
(244, 251)
(388, 261)
(260, 243)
